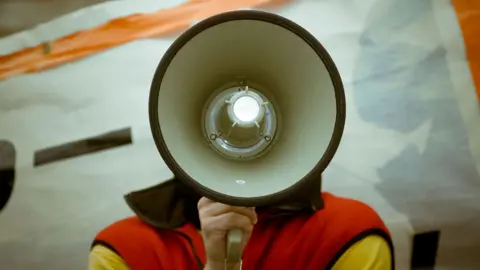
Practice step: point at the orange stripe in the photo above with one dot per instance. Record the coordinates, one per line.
(468, 14)
(117, 32)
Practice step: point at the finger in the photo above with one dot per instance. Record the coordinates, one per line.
(208, 208)
(228, 222)
(203, 202)
(218, 209)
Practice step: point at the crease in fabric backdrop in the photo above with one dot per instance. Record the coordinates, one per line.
(118, 32)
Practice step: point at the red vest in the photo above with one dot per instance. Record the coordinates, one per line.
(301, 242)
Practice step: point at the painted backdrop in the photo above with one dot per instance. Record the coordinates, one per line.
(411, 147)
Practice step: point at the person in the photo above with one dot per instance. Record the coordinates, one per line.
(345, 234)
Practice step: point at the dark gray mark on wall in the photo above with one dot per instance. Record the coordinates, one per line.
(424, 253)
(7, 171)
(83, 147)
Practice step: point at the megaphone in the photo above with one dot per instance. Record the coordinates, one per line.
(246, 108)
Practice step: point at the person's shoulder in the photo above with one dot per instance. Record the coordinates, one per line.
(127, 236)
(368, 241)
(129, 239)
(350, 219)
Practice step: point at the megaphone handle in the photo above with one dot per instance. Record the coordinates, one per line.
(234, 246)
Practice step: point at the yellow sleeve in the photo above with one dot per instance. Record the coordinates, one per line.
(102, 258)
(371, 253)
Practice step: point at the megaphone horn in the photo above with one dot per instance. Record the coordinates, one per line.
(246, 108)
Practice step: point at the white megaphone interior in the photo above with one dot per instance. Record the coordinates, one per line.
(289, 70)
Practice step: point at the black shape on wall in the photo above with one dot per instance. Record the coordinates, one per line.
(7, 171)
(424, 253)
(83, 147)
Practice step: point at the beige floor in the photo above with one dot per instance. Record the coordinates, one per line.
(17, 15)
